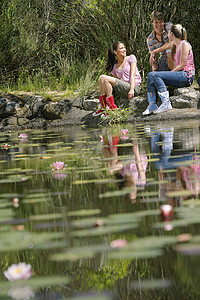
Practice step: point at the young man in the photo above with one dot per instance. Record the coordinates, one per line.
(158, 43)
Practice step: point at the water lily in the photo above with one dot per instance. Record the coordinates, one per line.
(15, 202)
(58, 165)
(21, 293)
(21, 271)
(124, 131)
(120, 243)
(166, 212)
(23, 136)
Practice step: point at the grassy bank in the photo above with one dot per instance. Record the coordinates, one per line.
(73, 80)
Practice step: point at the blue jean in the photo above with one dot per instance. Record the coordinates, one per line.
(157, 81)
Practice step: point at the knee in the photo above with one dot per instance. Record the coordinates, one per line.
(150, 75)
(102, 79)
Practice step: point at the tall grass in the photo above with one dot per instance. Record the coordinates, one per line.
(77, 79)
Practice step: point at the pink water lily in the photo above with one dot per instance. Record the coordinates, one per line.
(58, 165)
(124, 131)
(23, 136)
(120, 243)
(21, 271)
(166, 212)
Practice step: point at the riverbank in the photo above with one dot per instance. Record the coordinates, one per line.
(28, 111)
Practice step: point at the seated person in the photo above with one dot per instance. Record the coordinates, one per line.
(158, 43)
(181, 75)
(126, 78)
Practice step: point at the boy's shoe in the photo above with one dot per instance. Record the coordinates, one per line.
(151, 108)
(165, 106)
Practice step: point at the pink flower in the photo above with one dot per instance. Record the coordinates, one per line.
(120, 243)
(58, 165)
(23, 136)
(166, 212)
(124, 131)
(22, 271)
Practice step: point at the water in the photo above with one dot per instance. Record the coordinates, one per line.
(94, 229)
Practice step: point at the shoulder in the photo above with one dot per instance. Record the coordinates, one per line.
(150, 37)
(131, 58)
(168, 26)
(185, 45)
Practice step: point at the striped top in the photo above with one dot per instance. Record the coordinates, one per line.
(152, 41)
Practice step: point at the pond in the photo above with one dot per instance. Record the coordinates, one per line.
(101, 213)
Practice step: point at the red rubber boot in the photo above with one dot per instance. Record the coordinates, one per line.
(101, 107)
(111, 105)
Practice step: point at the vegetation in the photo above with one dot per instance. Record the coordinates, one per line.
(61, 45)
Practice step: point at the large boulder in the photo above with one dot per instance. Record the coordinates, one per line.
(56, 110)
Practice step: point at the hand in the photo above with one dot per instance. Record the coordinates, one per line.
(130, 94)
(153, 59)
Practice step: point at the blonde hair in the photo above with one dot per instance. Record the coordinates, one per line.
(180, 32)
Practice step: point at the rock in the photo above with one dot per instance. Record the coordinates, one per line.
(22, 112)
(187, 100)
(22, 121)
(11, 121)
(34, 105)
(55, 110)
(11, 108)
(180, 91)
(78, 102)
(90, 104)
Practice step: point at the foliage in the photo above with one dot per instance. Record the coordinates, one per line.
(46, 43)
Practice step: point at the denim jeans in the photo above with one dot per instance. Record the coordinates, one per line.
(157, 81)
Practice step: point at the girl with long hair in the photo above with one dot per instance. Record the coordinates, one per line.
(126, 79)
(181, 75)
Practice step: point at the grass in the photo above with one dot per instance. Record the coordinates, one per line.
(80, 79)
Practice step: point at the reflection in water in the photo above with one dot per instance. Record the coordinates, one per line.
(185, 162)
(21, 293)
(62, 211)
(131, 172)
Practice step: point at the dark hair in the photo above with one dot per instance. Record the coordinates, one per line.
(111, 59)
(157, 15)
(180, 32)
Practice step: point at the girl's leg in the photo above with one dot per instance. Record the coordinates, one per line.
(106, 84)
(151, 95)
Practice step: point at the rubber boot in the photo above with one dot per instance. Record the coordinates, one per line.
(152, 107)
(166, 104)
(101, 107)
(110, 102)
(110, 105)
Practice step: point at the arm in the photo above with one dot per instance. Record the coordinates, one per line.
(185, 48)
(161, 49)
(132, 79)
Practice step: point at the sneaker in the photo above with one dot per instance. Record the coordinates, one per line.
(151, 108)
(99, 111)
(104, 116)
(165, 106)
